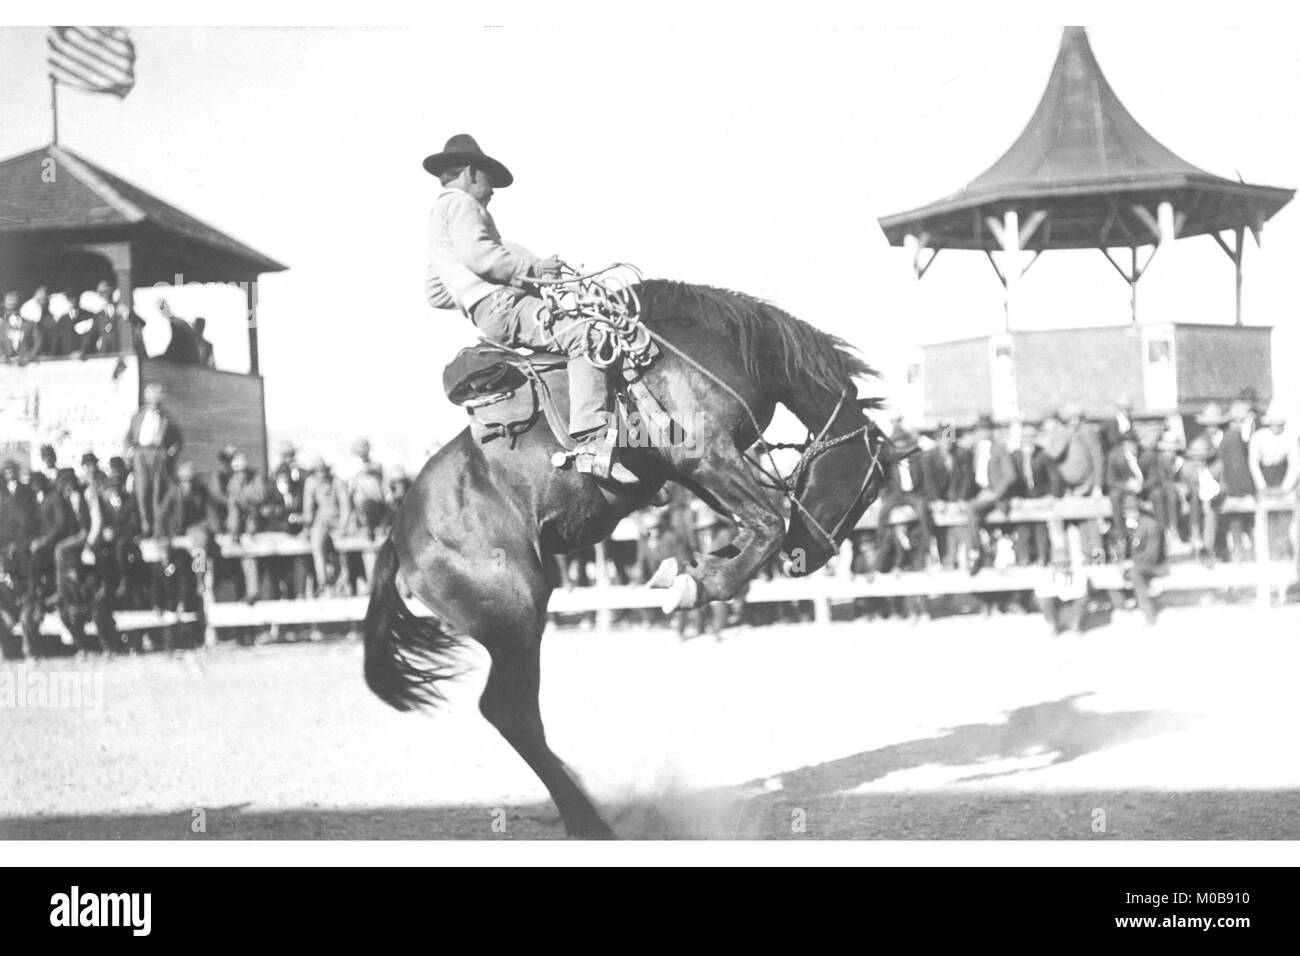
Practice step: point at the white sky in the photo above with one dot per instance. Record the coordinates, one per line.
(753, 157)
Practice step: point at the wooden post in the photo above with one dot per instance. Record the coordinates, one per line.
(1236, 260)
(604, 616)
(250, 297)
(1263, 587)
(205, 570)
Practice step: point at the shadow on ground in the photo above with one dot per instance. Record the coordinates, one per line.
(812, 802)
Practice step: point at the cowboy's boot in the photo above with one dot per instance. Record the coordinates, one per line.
(594, 429)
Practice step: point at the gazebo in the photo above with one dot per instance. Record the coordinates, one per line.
(67, 224)
(1084, 174)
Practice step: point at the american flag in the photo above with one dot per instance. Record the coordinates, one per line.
(99, 59)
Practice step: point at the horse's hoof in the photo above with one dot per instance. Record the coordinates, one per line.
(665, 575)
(682, 595)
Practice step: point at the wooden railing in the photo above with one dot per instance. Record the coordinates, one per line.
(604, 598)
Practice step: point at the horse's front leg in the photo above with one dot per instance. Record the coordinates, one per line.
(726, 484)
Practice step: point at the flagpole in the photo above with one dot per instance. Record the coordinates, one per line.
(54, 108)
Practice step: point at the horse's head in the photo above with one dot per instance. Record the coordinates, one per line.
(842, 473)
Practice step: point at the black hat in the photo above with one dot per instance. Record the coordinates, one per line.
(461, 150)
(984, 421)
(66, 476)
(90, 458)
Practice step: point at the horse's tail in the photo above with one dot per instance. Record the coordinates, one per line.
(406, 655)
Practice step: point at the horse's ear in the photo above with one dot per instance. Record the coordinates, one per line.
(869, 404)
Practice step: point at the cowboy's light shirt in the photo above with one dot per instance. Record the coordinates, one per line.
(468, 259)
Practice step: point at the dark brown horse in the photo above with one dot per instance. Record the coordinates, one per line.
(473, 535)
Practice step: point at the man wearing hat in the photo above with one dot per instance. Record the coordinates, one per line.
(1202, 477)
(1234, 454)
(473, 269)
(153, 440)
(1275, 467)
(906, 487)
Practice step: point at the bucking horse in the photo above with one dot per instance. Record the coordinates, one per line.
(473, 537)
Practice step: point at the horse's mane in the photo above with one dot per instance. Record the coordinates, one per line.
(807, 354)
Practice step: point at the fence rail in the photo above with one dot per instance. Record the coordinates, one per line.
(822, 590)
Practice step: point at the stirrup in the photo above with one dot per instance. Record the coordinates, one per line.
(595, 456)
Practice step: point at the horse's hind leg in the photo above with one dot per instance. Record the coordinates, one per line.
(510, 703)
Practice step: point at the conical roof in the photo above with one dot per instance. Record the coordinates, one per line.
(1086, 162)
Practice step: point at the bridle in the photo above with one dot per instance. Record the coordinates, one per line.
(809, 450)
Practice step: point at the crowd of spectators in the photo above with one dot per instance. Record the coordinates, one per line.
(91, 322)
(72, 540)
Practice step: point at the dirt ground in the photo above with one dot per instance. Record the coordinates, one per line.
(962, 728)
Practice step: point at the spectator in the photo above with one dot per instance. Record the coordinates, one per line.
(14, 334)
(91, 553)
(1036, 477)
(72, 326)
(58, 523)
(1275, 469)
(153, 441)
(906, 487)
(1202, 479)
(948, 469)
(122, 516)
(1160, 463)
(994, 480)
(366, 486)
(288, 467)
(103, 335)
(399, 484)
(250, 504)
(1124, 479)
(1117, 424)
(1076, 448)
(326, 510)
(19, 526)
(1234, 454)
(183, 349)
(185, 512)
(1147, 550)
(219, 482)
(50, 464)
(42, 329)
(206, 357)
(1212, 421)
(67, 550)
(1063, 595)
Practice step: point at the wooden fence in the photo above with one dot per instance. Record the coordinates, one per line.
(822, 590)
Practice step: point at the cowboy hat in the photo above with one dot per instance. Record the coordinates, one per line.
(461, 150)
(1212, 414)
(1200, 449)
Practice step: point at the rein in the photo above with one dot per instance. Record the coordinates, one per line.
(609, 308)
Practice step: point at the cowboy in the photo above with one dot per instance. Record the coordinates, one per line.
(473, 269)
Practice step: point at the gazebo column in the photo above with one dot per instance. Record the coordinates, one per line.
(1236, 252)
(250, 295)
(1011, 238)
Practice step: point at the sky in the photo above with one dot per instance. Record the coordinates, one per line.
(753, 157)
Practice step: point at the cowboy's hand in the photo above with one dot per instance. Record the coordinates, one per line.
(548, 268)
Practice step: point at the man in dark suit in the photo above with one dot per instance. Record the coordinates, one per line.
(1234, 457)
(1147, 550)
(995, 479)
(1124, 481)
(1036, 477)
(1117, 424)
(183, 349)
(207, 357)
(153, 441)
(19, 524)
(948, 475)
(906, 486)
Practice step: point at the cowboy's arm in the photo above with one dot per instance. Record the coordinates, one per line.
(478, 249)
(1253, 462)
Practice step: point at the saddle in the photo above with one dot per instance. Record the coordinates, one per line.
(504, 391)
